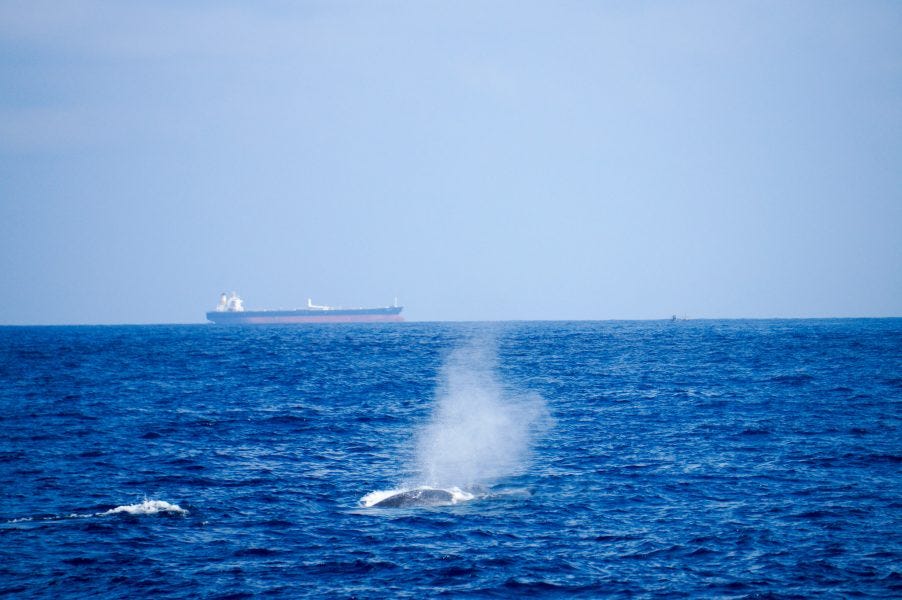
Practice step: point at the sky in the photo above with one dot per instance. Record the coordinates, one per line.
(476, 160)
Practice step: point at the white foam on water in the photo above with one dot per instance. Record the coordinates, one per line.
(379, 495)
(458, 495)
(148, 507)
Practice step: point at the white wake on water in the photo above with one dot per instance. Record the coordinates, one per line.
(481, 429)
(147, 507)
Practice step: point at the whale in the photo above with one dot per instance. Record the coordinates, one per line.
(418, 497)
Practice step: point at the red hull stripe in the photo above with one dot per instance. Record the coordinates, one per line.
(315, 319)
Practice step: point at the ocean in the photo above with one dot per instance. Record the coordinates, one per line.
(730, 459)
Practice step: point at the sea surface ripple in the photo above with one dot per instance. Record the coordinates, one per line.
(680, 459)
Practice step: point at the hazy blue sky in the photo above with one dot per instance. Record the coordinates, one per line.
(479, 160)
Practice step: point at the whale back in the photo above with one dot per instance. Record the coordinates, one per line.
(422, 497)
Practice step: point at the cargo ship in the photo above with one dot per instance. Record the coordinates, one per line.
(231, 311)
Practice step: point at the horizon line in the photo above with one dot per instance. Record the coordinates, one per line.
(610, 320)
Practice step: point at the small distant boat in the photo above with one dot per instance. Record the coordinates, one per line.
(231, 311)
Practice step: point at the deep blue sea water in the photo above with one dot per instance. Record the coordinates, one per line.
(657, 459)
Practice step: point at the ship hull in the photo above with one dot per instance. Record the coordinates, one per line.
(293, 317)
